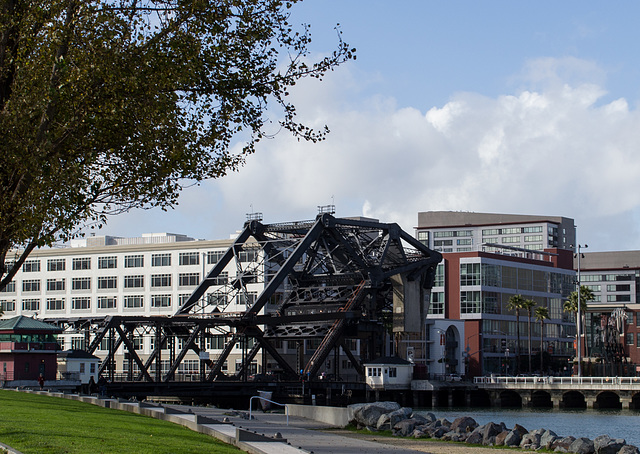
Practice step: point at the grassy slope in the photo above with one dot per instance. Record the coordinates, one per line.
(41, 424)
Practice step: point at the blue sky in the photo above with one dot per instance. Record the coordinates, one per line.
(509, 107)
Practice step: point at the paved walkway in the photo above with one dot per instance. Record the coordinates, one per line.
(302, 435)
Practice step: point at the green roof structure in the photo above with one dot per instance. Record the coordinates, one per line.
(22, 323)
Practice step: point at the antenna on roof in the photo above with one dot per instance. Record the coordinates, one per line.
(253, 216)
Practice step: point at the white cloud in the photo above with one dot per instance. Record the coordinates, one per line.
(551, 149)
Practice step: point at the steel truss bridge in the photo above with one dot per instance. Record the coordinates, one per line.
(330, 279)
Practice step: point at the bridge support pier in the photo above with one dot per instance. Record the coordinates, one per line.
(526, 399)
(591, 401)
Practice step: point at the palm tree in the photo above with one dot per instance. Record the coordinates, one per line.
(515, 304)
(528, 305)
(541, 313)
(571, 305)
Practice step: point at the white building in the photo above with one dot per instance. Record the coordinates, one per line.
(151, 275)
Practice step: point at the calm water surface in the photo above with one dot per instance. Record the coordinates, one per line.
(578, 423)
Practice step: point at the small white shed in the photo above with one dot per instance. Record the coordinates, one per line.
(78, 365)
(391, 372)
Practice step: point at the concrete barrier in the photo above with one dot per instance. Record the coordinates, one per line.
(335, 416)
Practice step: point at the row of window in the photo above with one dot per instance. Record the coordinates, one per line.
(134, 261)
(84, 303)
(605, 277)
(512, 230)
(129, 301)
(111, 282)
(524, 279)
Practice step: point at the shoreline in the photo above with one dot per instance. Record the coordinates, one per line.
(426, 445)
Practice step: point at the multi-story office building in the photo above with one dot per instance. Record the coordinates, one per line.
(459, 231)
(150, 275)
(472, 331)
(613, 317)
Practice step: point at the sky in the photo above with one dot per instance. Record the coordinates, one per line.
(497, 106)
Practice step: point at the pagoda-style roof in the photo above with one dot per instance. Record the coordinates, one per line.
(21, 323)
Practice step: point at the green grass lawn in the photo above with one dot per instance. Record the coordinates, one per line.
(34, 423)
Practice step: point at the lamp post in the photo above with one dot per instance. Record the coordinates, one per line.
(579, 314)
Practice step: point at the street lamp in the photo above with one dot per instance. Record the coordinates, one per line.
(579, 314)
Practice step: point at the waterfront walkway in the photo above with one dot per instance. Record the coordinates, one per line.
(264, 433)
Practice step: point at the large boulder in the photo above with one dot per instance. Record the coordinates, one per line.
(547, 438)
(387, 420)
(464, 424)
(629, 449)
(489, 433)
(582, 446)
(501, 437)
(405, 427)
(512, 439)
(562, 444)
(531, 440)
(367, 415)
(604, 444)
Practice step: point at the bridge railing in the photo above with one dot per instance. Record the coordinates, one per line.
(558, 380)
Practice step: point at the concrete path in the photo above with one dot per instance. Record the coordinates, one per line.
(302, 435)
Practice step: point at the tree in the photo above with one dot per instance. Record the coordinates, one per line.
(516, 302)
(571, 305)
(541, 314)
(109, 105)
(528, 305)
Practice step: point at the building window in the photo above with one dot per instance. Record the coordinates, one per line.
(638, 340)
(55, 285)
(470, 302)
(7, 305)
(188, 279)
(9, 288)
(469, 274)
(532, 238)
(511, 230)
(81, 303)
(629, 337)
(618, 298)
(107, 282)
(248, 256)
(107, 262)
(189, 258)
(214, 257)
(510, 239)
(217, 299)
(221, 279)
(77, 343)
(81, 283)
(536, 229)
(106, 302)
(55, 265)
(442, 243)
(161, 260)
(393, 372)
(54, 304)
(437, 303)
(81, 263)
(31, 285)
(31, 266)
(619, 288)
(30, 305)
(160, 280)
(160, 300)
(134, 281)
(133, 261)
(133, 301)
(247, 298)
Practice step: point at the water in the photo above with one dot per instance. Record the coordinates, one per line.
(577, 423)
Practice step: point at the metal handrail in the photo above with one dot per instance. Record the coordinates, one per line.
(286, 407)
